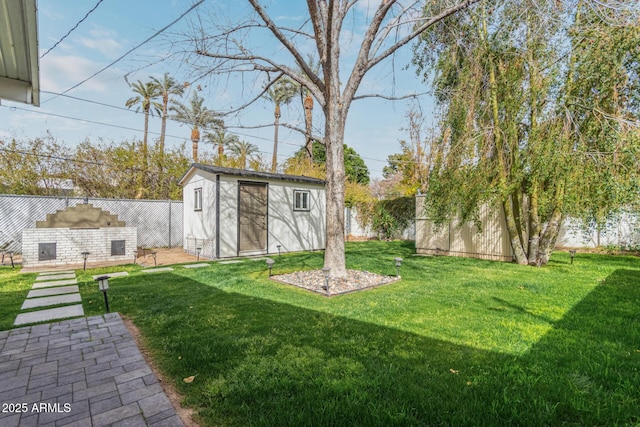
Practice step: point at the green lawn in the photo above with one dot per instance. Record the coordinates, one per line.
(455, 342)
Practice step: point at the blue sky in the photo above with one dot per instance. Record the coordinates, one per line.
(374, 126)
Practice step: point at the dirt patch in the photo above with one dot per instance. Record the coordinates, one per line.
(187, 415)
(164, 256)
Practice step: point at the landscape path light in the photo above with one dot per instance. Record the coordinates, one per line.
(572, 253)
(279, 246)
(103, 285)
(154, 254)
(198, 250)
(326, 271)
(398, 261)
(270, 263)
(135, 255)
(85, 255)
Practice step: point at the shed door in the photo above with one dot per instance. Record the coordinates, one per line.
(252, 213)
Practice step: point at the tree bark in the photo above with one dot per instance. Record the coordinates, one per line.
(334, 253)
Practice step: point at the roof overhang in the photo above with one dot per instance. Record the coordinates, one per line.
(19, 67)
(242, 173)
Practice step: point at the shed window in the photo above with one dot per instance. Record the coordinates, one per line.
(301, 200)
(197, 199)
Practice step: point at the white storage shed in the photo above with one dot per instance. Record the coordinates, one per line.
(234, 212)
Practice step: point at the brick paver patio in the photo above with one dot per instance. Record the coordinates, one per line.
(79, 372)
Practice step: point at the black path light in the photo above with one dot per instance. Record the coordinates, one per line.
(85, 255)
(326, 271)
(135, 255)
(198, 250)
(278, 246)
(398, 261)
(270, 263)
(103, 285)
(572, 253)
(154, 254)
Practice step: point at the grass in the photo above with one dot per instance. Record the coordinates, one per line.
(455, 342)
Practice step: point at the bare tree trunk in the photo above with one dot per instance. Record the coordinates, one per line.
(308, 117)
(334, 254)
(534, 226)
(514, 238)
(274, 159)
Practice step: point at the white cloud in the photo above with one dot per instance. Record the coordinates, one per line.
(59, 72)
(104, 41)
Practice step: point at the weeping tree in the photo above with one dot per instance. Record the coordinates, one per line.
(264, 44)
(538, 116)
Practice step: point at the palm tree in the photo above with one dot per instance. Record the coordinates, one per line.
(146, 93)
(198, 117)
(280, 92)
(307, 104)
(166, 87)
(220, 138)
(243, 150)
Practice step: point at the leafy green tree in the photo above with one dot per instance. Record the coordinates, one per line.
(196, 115)
(35, 166)
(356, 169)
(144, 99)
(279, 92)
(516, 126)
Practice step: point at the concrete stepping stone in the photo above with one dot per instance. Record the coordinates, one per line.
(55, 273)
(49, 314)
(233, 261)
(195, 265)
(112, 275)
(54, 283)
(47, 292)
(52, 300)
(157, 270)
(258, 259)
(50, 277)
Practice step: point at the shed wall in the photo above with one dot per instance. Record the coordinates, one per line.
(292, 230)
(199, 225)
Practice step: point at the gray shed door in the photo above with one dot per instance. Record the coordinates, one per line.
(252, 213)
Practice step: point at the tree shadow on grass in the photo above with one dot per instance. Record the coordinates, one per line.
(260, 362)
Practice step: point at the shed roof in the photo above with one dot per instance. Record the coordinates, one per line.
(217, 170)
(19, 68)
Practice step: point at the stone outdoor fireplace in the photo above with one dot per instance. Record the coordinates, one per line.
(66, 236)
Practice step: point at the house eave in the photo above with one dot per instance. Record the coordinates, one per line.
(19, 59)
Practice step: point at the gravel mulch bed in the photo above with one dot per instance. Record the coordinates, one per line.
(314, 280)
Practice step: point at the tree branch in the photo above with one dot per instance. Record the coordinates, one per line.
(390, 98)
